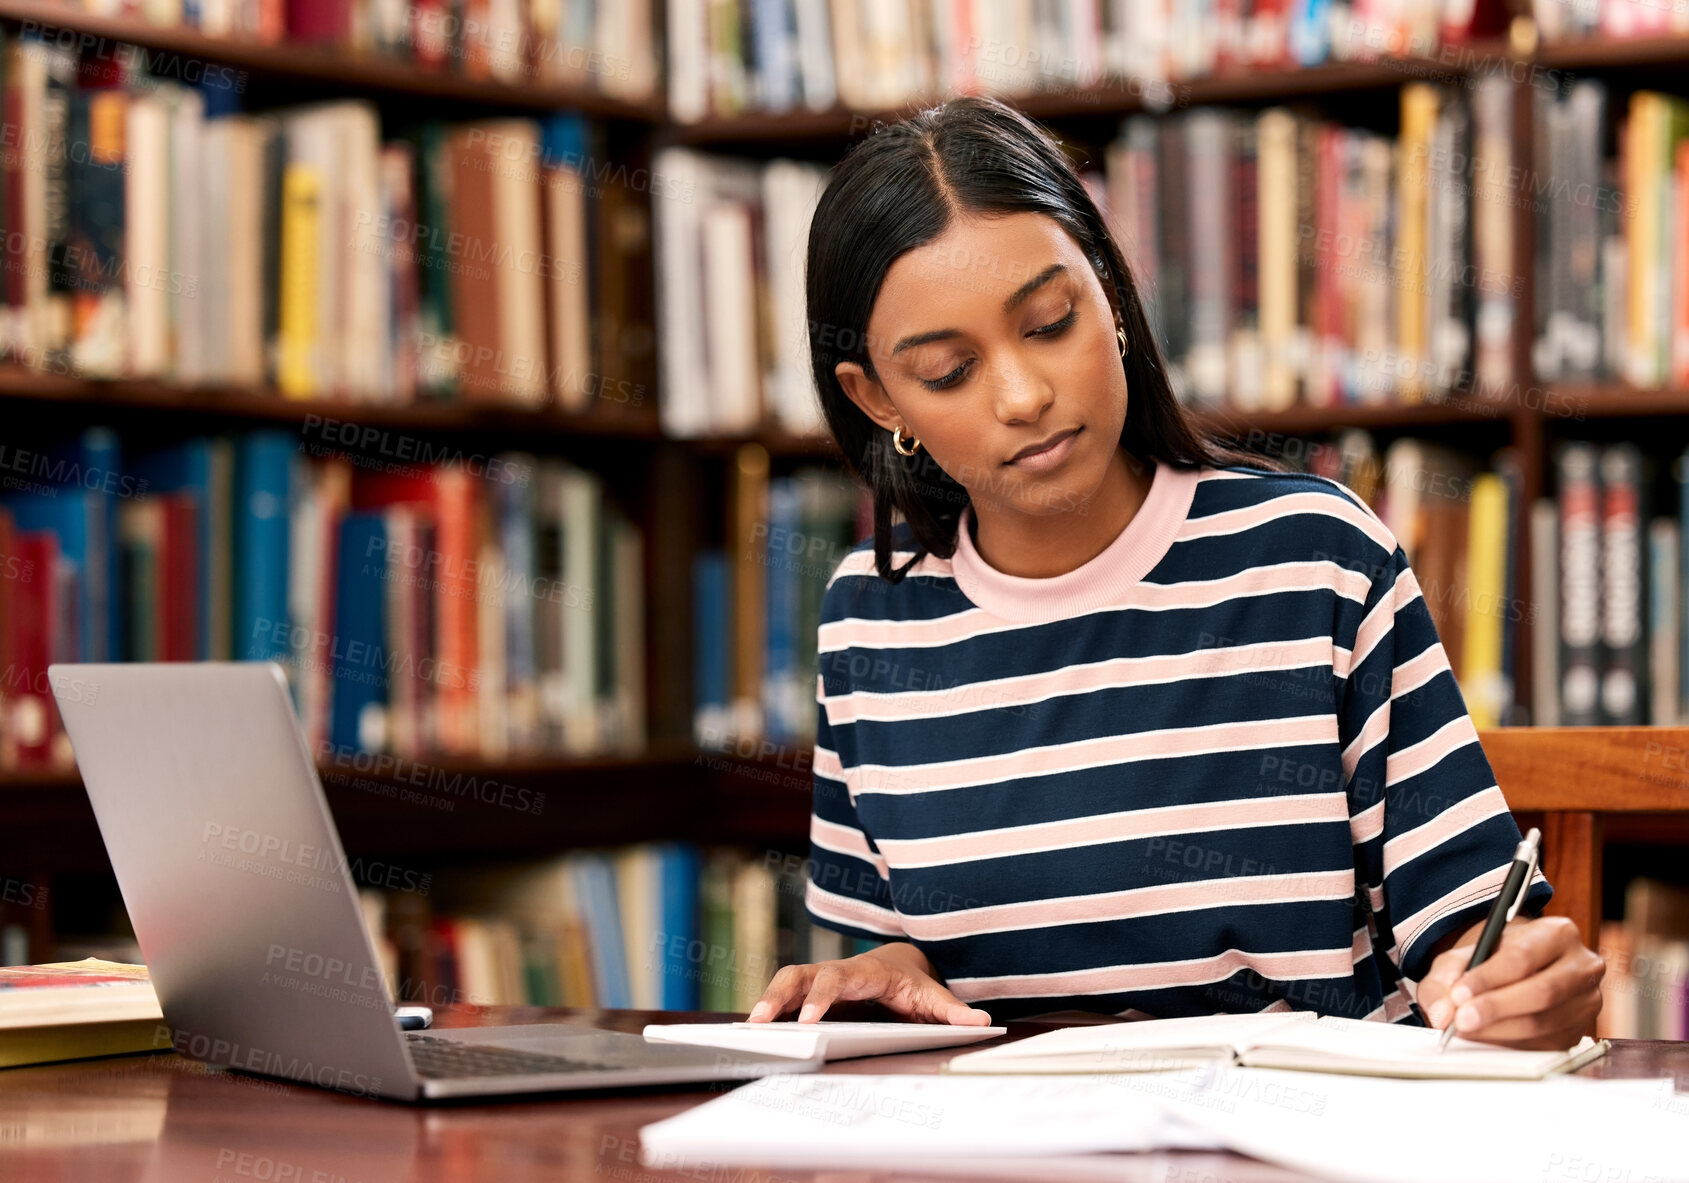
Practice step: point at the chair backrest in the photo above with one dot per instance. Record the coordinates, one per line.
(1565, 779)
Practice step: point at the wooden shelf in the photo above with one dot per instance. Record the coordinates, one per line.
(357, 72)
(1115, 96)
(1606, 53)
(1596, 400)
(262, 405)
(1302, 419)
(469, 808)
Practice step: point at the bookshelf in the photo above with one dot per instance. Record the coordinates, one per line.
(673, 789)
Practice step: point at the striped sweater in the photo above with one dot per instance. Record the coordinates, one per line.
(1223, 766)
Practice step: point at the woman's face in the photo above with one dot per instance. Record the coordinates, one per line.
(991, 342)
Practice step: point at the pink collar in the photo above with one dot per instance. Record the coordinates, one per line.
(1095, 584)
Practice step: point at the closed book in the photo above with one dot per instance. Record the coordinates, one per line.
(754, 937)
(712, 653)
(360, 694)
(624, 300)
(179, 606)
(639, 896)
(1580, 585)
(32, 719)
(1545, 613)
(327, 22)
(748, 491)
(715, 888)
(595, 888)
(264, 488)
(1624, 650)
(1483, 680)
(568, 304)
(681, 954)
(1663, 643)
(76, 1009)
(784, 694)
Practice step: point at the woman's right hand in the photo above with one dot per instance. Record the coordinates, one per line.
(883, 976)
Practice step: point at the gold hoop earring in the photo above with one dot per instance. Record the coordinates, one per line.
(1120, 332)
(897, 442)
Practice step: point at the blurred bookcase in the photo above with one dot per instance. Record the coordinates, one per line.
(697, 434)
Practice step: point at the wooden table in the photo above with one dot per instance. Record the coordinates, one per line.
(163, 1119)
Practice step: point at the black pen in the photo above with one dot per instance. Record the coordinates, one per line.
(1505, 908)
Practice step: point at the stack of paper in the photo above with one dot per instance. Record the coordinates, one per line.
(1355, 1129)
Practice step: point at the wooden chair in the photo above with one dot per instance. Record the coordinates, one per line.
(1584, 785)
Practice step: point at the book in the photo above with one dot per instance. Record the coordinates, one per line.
(1299, 1040)
(72, 1010)
(826, 1039)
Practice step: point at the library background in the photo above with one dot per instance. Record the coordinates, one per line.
(451, 353)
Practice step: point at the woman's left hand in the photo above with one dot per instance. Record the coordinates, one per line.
(1539, 990)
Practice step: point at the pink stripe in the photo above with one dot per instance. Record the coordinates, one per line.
(1373, 629)
(1428, 752)
(1416, 671)
(845, 840)
(1322, 963)
(1407, 677)
(862, 563)
(1080, 679)
(1098, 752)
(1157, 597)
(1457, 818)
(1342, 660)
(1254, 581)
(826, 763)
(1376, 727)
(1114, 827)
(1135, 902)
(1480, 888)
(1362, 947)
(1247, 517)
(1394, 1007)
(1367, 824)
(904, 634)
(845, 910)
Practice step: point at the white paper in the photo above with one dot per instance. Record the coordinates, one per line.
(823, 1118)
(1562, 1129)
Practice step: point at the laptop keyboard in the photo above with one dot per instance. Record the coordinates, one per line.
(447, 1059)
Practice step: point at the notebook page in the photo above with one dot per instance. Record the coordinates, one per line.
(1359, 1045)
(1113, 1044)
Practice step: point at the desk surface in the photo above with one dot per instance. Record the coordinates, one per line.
(163, 1119)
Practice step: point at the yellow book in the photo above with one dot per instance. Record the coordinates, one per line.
(1482, 680)
(1419, 123)
(75, 1009)
(296, 330)
(1642, 172)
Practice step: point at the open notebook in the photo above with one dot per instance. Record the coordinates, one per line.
(1285, 1039)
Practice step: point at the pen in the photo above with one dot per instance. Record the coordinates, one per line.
(1506, 907)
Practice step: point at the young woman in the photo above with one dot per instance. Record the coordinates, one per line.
(1114, 718)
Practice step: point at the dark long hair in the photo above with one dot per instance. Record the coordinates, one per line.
(899, 189)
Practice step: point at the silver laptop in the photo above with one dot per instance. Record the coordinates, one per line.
(248, 918)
